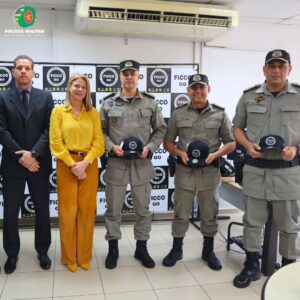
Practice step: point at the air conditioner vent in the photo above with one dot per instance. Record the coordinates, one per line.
(153, 18)
(143, 15)
(106, 13)
(214, 21)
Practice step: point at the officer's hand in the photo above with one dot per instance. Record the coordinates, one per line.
(184, 157)
(254, 150)
(289, 153)
(145, 152)
(118, 150)
(210, 158)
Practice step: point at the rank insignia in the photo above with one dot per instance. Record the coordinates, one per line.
(259, 98)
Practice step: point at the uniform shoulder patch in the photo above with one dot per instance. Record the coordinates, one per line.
(181, 106)
(252, 88)
(217, 106)
(148, 95)
(109, 96)
(296, 84)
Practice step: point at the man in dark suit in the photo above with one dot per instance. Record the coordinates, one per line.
(24, 134)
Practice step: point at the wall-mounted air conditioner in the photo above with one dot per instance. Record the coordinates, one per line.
(154, 18)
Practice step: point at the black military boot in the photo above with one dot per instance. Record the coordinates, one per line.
(141, 253)
(113, 254)
(251, 271)
(208, 254)
(286, 261)
(175, 254)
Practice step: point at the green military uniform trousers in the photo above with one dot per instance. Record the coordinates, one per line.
(256, 215)
(189, 183)
(121, 172)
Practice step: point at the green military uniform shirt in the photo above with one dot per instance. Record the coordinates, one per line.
(260, 113)
(140, 118)
(213, 127)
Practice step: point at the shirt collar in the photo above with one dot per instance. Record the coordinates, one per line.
(288, 89)
(208, 107)
(68, 107)
(20, 90)
(119, 95)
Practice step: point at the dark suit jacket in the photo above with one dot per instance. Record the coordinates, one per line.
(19, 131)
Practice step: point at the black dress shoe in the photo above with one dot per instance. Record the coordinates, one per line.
(45, 262)
(10, 265)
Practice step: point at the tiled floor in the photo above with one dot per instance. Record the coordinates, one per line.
(190, 279)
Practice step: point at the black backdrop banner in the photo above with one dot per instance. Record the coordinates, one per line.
(167, 82)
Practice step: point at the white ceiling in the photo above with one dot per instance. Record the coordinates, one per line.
(285, 12)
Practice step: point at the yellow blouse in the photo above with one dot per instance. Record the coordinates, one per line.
(82, 133)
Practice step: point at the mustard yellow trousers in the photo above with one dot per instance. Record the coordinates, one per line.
(76, 211)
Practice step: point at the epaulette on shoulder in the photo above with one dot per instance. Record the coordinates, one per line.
(296, 84)
(217, 106)
(109, 96)
(252, 88)
(181, 106)
(148, 95)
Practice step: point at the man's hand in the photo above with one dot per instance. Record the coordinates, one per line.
(34, 167)
(145, 152)
(118, 150)
(254, 150)
(184, 157)
(27, 161)
(210, 158)
(289, 153)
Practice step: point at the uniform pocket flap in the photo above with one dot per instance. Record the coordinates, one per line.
(259, 109)
(290, 108)
(115, 113)
(146, 113)
(185, 123)
(213, 123)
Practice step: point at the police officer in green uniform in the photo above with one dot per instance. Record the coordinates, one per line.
(130, 113)
(271, 178)
(198, 123)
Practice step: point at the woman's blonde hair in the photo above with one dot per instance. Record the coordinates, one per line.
(87, 101)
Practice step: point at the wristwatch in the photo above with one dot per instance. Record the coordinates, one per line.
(34, 154)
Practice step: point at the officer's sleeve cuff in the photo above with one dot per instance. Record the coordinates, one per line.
(151, 147)
(109, 146)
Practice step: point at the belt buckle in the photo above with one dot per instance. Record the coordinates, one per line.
(81, 153)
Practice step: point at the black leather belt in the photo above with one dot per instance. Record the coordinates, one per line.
(215, 163)
(78, 153)
(271, 163)
(130, 156)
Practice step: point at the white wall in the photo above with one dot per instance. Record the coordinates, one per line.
(233, 62)
(63, 44)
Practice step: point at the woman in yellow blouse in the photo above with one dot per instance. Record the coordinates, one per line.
(76, 140)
